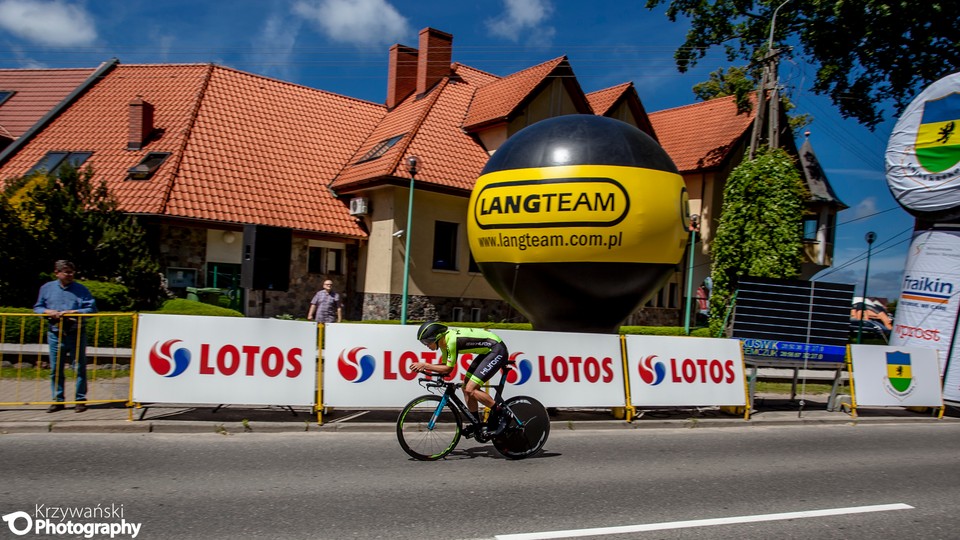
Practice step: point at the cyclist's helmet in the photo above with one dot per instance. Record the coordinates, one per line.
(430, 332)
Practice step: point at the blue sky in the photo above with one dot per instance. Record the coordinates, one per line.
(341, 46)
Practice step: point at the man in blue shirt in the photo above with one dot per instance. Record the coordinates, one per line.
(57, 300)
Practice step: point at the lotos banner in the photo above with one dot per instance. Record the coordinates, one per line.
(224, 360)
(368, 366)
(679, 371)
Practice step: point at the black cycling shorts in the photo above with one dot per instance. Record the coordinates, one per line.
(484, 366)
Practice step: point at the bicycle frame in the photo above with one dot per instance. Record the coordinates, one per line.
(437, 422)
(450, 395)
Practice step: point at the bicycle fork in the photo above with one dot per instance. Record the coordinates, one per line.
(436, 414)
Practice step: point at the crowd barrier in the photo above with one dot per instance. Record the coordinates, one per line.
(26, 364)
(232, 361)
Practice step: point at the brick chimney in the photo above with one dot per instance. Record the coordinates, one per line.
(436, 51)
(140, 123)
(401, 75)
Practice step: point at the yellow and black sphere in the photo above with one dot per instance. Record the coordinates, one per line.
(577, 220)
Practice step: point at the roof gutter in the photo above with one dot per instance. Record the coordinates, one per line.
(100, 72)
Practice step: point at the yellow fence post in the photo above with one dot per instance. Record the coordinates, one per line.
(319, 406)
(631, 412)
(853, 395)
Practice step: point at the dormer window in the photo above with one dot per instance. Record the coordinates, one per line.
(381, 148)
(5, 95)
(53, 161)
(147, 166)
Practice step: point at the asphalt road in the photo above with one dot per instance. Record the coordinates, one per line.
(361, 485)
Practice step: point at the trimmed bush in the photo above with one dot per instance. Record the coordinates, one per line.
(109, 296)
(182, 306)
(108, 329)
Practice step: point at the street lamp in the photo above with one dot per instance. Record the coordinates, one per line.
(694, 226)
(870, 237)
(412, 163)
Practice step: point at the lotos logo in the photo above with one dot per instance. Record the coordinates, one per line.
(354, 370)
(522, 369)
(652, 372)
(168, 365)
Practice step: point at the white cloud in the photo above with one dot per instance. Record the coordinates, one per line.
(274, 46)
(865, 208)
(48, 22)
(356, 22)
(523, 18)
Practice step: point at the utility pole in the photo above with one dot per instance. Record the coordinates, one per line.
(768, 98)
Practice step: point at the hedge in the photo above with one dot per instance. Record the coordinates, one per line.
(115, 328)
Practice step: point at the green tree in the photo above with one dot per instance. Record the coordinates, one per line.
(760, 229)
(67, 215)
(742, 83)
(733, 81)
(865, 52)
(17, 261)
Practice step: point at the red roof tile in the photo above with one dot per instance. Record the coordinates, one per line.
(603, 100)
(449, 158)
(37, 92)
(245, 149)
(700, 136)
(263, 151)
(497, 100)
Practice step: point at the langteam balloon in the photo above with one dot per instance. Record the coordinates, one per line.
(577, 221)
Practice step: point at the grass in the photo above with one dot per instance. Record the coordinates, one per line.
(785, 387)
(28, 373)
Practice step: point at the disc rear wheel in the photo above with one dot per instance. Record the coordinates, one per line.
(526, 434)
(425, 435)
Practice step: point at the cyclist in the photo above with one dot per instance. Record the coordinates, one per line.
(491, 354)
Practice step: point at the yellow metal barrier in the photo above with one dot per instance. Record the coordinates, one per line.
(27, 377)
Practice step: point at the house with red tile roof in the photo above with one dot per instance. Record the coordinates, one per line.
(206, 156)
(706, 141)
(29, 95)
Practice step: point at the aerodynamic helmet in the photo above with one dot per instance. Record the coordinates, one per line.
(430, 332)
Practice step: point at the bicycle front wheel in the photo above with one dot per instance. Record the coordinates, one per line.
(527, 431)
(426, 431)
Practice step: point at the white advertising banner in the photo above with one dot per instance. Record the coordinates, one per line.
(927, 308)
(682, 371)
(225, 360)
(368, 366)
(895, 376)
(923, 153)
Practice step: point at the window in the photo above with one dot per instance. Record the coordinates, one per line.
(457, 314)
(445, 245)
(179, 278)
(381, 148)
(147, 166)
(52, 162)
(810, 229)
(5, 95)
(475, 314)
(325, 260)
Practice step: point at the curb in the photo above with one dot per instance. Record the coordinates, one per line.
(234, 427)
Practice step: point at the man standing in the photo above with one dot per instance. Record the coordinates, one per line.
(67, 338)
(326, 306)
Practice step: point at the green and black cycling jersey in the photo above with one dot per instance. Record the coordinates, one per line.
(491, 353)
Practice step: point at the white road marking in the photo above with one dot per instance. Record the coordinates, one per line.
(575, 533)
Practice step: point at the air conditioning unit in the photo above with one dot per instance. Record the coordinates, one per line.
(359, 206)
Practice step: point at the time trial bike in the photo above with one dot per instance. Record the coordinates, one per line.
(430, 426)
